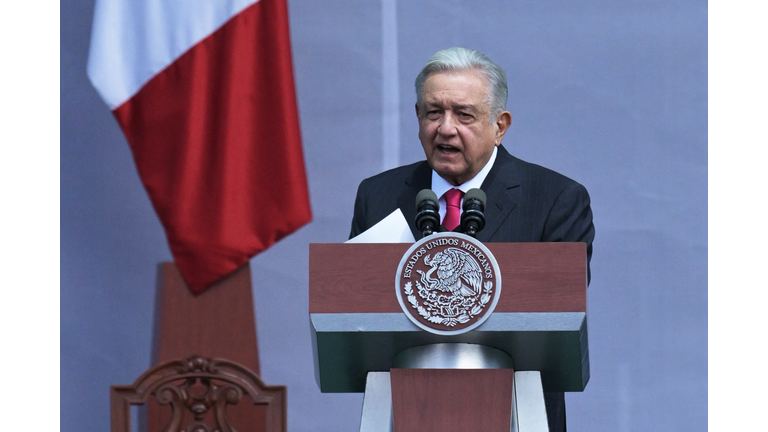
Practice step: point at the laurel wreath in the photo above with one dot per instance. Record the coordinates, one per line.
(446, 321)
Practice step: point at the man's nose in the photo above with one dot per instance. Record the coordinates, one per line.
(447, 125)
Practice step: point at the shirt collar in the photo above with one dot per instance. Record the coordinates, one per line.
(441, 185)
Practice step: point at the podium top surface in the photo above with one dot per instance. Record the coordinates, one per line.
(360, 278)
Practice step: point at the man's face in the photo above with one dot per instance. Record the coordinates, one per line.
(454, 124)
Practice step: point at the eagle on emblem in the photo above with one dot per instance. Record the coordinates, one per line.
(457, 273)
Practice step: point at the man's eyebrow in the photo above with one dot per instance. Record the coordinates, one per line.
(467, 107)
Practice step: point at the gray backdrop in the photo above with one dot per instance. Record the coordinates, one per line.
(612, 94)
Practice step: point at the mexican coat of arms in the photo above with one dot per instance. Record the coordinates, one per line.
(448, 283)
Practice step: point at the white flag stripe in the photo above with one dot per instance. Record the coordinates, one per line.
(133, 40)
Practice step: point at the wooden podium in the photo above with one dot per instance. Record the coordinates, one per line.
(534, 341)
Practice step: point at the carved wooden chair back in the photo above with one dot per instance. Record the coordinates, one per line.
(198, 391)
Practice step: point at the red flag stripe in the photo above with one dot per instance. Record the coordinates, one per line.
(216, 140)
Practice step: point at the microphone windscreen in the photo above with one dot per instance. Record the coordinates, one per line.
(476, 194)
(428, 194)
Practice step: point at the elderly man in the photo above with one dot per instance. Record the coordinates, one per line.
(461, 101)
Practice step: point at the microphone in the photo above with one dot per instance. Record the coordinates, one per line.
(428, 212)
(473, 219)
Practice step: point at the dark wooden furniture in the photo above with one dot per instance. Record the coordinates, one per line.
(199, 392)
(216, 324)
(219, 322)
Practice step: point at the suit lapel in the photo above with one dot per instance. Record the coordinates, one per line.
(421, 178)
(504, 176)
(498, 186)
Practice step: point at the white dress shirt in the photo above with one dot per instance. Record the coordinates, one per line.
(440, 185)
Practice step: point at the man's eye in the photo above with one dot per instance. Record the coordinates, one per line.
(433, 114)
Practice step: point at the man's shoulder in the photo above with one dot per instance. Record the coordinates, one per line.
(528, 172)
(542, 171)
(380, 195)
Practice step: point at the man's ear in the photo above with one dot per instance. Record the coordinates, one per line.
(503, 121)
(416, 105)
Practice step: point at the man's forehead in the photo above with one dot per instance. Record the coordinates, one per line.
(455, 100)
(459, 89)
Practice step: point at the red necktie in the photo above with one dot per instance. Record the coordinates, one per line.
(452, 209)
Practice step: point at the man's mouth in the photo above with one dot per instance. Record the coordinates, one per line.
(442, 148)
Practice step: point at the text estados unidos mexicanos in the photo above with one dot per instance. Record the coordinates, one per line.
(480, 257)
(412, 261)
(421, 251)
(487, 269)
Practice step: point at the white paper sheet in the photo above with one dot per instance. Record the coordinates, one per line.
(391, 229)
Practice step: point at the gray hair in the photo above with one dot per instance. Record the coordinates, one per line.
(463, 59)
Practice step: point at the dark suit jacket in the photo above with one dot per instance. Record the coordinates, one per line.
(525, 203)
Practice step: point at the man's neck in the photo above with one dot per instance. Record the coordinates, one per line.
(440, 185)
